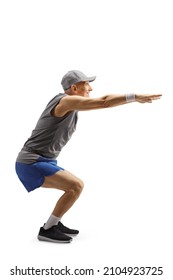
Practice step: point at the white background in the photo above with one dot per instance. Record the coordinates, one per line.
(124, 155)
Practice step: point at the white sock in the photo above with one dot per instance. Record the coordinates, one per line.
(52, 221)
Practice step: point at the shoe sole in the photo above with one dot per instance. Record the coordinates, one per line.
(71, 234)
(43, 238)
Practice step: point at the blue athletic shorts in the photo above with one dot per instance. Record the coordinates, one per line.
(32, 175)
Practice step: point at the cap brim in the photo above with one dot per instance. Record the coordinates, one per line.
(91, 79)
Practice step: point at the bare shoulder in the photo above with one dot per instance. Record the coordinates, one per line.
(67, 104)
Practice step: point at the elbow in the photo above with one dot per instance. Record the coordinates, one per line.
(105, 102)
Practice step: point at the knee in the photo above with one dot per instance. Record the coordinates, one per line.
(77, 187)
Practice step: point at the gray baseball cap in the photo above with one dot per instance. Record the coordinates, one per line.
(73, 77)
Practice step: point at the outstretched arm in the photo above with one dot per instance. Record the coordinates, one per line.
(80, 103)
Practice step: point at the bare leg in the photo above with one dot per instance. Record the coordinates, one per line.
(70, 184)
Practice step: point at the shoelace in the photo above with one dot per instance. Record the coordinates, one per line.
(60, 226)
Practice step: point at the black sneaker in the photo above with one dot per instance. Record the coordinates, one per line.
(53, 234)
(66, 230)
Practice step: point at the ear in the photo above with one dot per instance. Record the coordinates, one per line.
(74, 88)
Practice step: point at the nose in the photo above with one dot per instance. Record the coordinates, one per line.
(90, 88)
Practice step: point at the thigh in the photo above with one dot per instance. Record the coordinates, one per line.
(62, 180)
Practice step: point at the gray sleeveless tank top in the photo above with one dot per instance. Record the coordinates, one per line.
(50, 134)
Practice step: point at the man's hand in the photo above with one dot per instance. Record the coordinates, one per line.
(147, 98)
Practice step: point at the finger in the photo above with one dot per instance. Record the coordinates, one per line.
(156, 96)
(147, 98)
